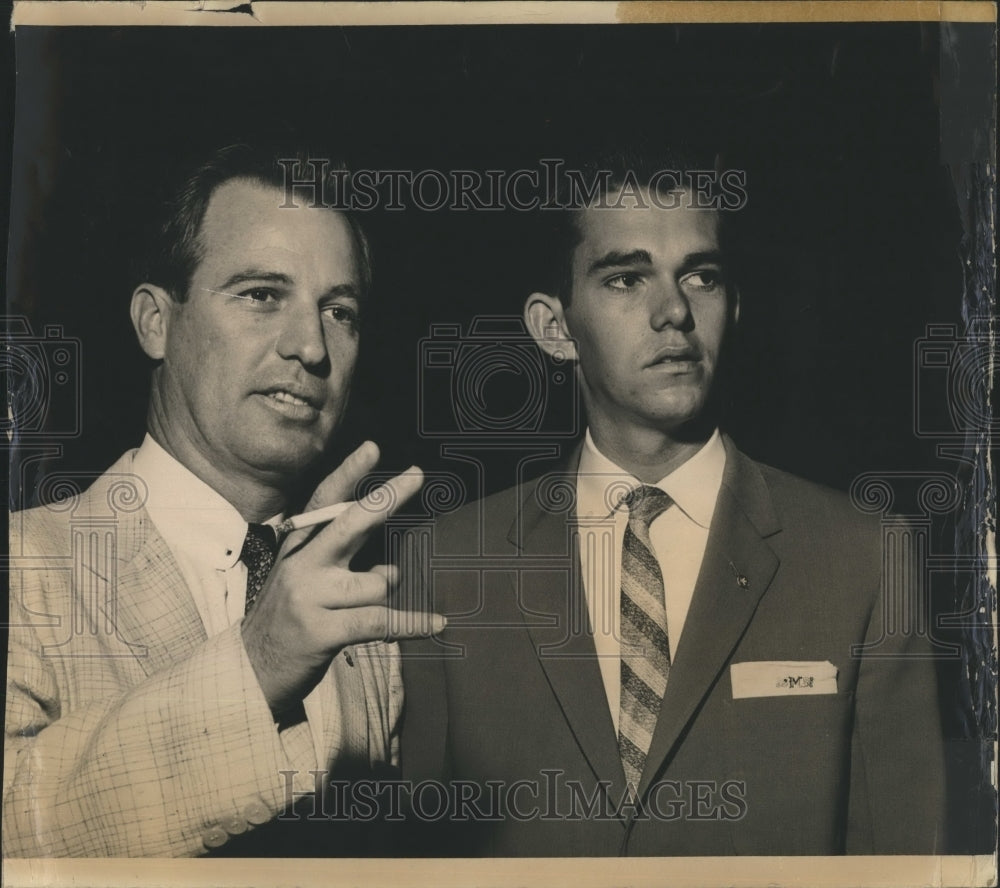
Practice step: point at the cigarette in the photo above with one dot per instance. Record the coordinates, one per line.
(309, 519)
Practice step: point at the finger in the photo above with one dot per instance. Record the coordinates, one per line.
(379, 623)
(347, 534)
(414, 624)
(337, 487)
(340, 484)
(389, 571)
(352, 589)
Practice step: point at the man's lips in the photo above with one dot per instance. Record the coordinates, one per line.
(293, 400)
(674, 354)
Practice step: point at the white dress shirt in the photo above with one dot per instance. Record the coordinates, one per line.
(678, 536)
(205, 535)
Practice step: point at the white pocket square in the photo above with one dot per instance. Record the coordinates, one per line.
(776, 678)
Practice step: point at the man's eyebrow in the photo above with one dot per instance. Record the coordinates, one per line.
(277, 277)
(618, 258)
(615, 258)
(706, 257)
(349, 290)
(254, 274)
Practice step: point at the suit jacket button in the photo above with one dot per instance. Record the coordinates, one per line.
(256, 813)
(234, 825)
(215, 837)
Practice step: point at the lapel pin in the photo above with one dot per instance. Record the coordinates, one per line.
(348, 657)
(741, 580)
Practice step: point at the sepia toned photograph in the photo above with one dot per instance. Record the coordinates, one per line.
(473, 443)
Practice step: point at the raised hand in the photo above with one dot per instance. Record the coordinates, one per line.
(313, 604)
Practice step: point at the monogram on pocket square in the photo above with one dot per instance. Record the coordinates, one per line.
(778, 678)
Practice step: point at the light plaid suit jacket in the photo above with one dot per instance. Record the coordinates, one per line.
(129, 732)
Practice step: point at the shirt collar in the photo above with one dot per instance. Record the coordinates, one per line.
(693, 486)
(190, 515)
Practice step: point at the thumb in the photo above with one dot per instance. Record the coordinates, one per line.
(339, 486)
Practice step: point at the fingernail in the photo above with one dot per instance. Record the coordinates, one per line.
(438, 623)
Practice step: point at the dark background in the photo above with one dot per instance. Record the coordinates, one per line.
(856, 140)
(851, 233)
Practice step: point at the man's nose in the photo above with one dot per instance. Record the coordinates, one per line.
(668, 306)
(302, 336)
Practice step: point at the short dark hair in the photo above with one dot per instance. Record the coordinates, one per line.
(607, 171)
(172, 244)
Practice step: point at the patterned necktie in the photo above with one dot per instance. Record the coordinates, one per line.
(645, 648)
(259, 550)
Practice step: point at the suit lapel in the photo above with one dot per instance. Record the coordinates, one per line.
(736, 571)
(149, 603)
(156, 614)
(565, 646)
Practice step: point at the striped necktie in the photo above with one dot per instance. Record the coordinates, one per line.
(259, 550)
(645, 648)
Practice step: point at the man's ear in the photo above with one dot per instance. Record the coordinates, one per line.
(150, 312)
(736, 307)
(546, 322)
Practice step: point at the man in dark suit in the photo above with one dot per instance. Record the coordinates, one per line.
(662, 647)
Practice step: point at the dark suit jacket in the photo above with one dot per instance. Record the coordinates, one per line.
(512, 692)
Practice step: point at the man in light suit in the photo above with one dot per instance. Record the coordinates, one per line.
(173, 689)
(661, 647)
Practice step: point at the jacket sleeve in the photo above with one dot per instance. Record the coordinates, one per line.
(897, 791)
(425, 715)
(171, 766)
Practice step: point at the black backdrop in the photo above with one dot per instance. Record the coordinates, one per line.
(850, 235)
(854, 138)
